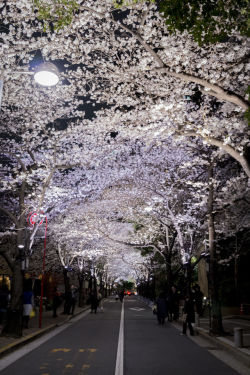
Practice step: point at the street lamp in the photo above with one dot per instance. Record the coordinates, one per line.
(46, 74)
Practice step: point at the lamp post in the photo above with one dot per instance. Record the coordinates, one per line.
(46, 74)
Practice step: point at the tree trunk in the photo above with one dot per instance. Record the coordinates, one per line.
(216, 317)
(81, 291)
(67, 290)
(95, 285)
(236, 272)
(101, 281)
(168, 272)
(13, 326)
(106, 287)
(153, 289)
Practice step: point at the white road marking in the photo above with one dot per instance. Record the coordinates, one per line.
(120, 349)
(13, 357)
(137, 308)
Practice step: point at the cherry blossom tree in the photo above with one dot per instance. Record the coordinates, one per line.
(162, 103)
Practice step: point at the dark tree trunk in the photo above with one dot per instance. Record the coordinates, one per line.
(216, 317)
(105, 292)
(90, 283)
(67, 290)
(13, 326)
(168, 271)
(188, 279)
(81, 291)
(95, 285)
(101, 281)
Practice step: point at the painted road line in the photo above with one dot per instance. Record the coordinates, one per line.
(120, 349)
(136, 308)
(19, 353)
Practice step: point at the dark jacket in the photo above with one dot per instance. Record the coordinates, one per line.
(162, 310)
(56, 299)
(189, 310)
(93, 301)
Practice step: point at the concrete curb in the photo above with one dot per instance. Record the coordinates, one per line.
(241, 354)
(31, 337)
(240, 317)
(24, 340)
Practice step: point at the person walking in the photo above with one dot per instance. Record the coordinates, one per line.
(67, 299)
(28, 303)
(100, 301)
(56, 302)
(162, 310)
(188, 316)
(121, 295)
(198, 296)
(174, 303)
(73, 299)
(93, 302)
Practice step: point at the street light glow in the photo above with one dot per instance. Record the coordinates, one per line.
(47, 74)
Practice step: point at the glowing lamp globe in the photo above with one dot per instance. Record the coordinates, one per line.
(47, 74)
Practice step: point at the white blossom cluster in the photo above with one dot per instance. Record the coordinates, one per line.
(165, 110)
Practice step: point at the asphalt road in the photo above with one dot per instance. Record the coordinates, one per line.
(88, 346)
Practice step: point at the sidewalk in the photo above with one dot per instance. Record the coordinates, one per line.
(9, 344)
(226, 342)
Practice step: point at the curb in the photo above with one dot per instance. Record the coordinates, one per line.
(24, 340)
(241, 354)
(240, 317)
(31, 337)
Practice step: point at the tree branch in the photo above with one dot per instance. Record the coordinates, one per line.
(11, 216)
(216, 90)
(229, 149)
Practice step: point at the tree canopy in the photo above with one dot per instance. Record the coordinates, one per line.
(207, 21)
(143, 140)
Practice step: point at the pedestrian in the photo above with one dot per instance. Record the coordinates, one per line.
(121, 295)
(188, 316)
(73, 296)
(100, 301)
(162, 310)
(198, 296)
(174, 303)
(116, 297)
(28, 304)
(56, 302)
(93, 302)
(67, 302)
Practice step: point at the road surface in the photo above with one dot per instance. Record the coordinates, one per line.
(106, 344)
